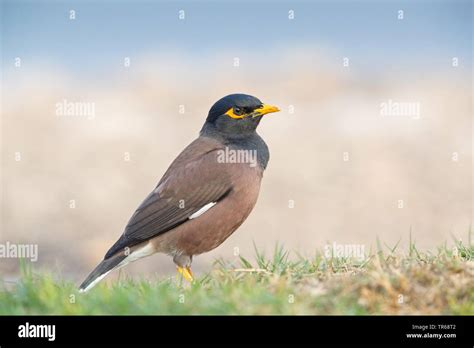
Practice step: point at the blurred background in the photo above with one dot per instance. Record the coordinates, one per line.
(374, 139)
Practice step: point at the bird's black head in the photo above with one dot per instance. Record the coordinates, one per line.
(237, 115)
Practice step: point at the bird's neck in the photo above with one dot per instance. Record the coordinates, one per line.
(251, 141)
(210, 130)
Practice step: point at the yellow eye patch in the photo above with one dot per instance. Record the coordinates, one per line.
(231, 113)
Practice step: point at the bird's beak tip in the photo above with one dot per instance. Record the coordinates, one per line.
(267, 109)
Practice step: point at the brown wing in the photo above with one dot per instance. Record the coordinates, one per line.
(193, 180)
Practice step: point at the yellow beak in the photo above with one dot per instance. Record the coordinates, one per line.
(265, 109)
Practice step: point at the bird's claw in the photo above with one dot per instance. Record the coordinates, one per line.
(186, 273)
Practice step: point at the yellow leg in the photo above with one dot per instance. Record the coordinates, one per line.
(186, 273)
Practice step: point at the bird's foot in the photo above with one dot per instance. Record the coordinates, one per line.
(186, 273)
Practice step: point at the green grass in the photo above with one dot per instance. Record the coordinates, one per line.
(429, 283)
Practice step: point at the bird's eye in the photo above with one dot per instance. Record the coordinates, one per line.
(238, 111)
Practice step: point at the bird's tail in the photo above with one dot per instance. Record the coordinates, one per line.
(102, 269)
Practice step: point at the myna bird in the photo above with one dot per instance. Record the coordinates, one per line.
(205, 195)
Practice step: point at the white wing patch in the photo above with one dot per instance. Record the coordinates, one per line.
(202, 210)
